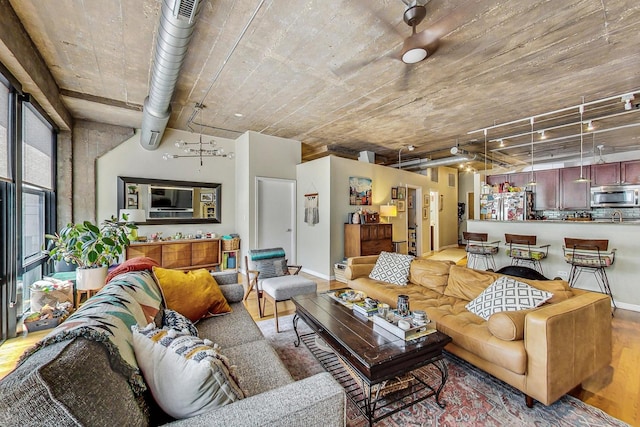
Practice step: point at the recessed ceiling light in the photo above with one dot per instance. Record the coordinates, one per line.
(239, 115)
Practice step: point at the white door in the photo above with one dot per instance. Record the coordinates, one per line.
(276, 215)
(434, 210)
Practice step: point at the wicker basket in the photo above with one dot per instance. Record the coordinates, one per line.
(231, 244)
(384, 388)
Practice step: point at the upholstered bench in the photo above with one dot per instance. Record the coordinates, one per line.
(282, 288)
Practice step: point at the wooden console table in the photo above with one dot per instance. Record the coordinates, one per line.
(179, 254)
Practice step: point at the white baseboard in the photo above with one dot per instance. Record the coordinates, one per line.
(626, 306)
(315, 273)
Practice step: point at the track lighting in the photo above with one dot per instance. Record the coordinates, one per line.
(542, 135)
(627, 101)
(590, 125)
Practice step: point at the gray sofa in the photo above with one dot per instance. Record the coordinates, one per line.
(73, 383)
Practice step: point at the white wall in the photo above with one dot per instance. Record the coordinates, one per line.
(260, 156)
(130, 159)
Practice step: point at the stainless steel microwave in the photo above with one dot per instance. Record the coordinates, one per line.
(614, 196)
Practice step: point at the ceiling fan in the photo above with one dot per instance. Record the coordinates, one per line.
(417, 46)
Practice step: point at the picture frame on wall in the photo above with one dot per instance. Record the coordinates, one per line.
(206, 197)
(426, 199)
(401, 206)
(360, 191)
(402, 193)
(425, 213)
(394, 193)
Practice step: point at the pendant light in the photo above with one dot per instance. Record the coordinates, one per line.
(532, 182)
(582, 178)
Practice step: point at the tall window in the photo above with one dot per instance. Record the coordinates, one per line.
(27, 200)
(37, 181)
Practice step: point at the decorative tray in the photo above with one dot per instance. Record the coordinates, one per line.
(416, 331)
(347, 297)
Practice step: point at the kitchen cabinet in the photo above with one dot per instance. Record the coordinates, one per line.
(367, 239)
(546, 189)
(179, 254)
(496, 179)
(574, 195)
(519, 179)
(605, 174)
(630, 172)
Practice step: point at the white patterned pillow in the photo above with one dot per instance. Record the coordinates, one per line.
(392, 267)
(507, 294)
(187, 375)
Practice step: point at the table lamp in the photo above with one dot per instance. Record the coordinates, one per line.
(388, 211)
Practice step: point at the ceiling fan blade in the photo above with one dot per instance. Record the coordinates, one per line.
(403, 83)
(454, 17)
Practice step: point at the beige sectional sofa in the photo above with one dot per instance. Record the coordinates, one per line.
(544, 352)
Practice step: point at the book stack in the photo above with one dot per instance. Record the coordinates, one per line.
(364, 309)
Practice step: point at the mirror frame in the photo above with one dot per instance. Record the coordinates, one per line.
(123, 181)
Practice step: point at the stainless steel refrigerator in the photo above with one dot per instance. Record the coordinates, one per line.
(506, 206)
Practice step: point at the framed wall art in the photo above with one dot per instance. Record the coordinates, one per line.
(402, 193)
(401, 205)
(394, 193)
(359, 191)
(426, 198)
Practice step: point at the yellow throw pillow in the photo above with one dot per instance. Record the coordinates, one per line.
(194, 294)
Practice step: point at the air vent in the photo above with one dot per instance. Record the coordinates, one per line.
(186, 9)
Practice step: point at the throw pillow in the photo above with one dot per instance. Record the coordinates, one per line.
(392, 268)
(133, 264)
(187, 375)
(507, 294)
(193, 294)
(267, 267)
(171, 319)
(280, 266)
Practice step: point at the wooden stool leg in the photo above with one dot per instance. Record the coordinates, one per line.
(275, 313)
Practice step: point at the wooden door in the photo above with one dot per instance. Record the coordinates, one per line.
(546, 189)
(605, 174)
(630, 172)
(574, 195)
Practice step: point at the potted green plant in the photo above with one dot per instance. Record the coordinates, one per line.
(91, 248)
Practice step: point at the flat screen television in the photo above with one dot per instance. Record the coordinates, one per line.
(170, 199)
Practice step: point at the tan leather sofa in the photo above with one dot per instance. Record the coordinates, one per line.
(544, 352)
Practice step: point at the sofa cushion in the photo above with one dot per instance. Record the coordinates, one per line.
(466, 284)
(134, 264)
(186, 375)
(508, 325)
(506, 294)
(431, 274)
(392, 268)
(192, 293)
(223, 330)
(171, 319)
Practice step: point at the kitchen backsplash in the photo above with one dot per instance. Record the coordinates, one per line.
(596, 213)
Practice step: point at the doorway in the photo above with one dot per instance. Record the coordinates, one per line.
(276, 215)
(414, 221)
(434, 209)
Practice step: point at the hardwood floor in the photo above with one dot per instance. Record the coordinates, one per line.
(615, 390)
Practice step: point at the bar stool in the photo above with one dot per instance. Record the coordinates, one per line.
(593, 256)
(523, 250)
(478, 248)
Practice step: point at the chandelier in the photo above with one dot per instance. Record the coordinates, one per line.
(201, 150)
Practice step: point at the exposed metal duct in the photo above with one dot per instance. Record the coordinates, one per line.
(426, 163)
(177, 21)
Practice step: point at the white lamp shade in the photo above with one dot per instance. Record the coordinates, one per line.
(133, 215)
(388, 210)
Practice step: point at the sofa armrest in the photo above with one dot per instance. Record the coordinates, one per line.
(232, 293)
(360, 266)
(315, 401)
(566, 343)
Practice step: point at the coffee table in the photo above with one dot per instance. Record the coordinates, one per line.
(373, 358)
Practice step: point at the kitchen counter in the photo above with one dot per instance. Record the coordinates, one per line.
(630, 221)
(622, 274)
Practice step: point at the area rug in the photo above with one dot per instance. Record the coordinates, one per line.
(451, 254)
(472, 397)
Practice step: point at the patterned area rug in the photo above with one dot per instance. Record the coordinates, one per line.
(472, 397)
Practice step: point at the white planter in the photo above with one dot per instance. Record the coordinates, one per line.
(90, 278)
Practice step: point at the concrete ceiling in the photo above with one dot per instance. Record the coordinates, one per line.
(326, 73)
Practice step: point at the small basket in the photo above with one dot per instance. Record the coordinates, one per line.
(231, 244)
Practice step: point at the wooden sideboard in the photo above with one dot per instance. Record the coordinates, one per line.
(179, 254)
(367, 239)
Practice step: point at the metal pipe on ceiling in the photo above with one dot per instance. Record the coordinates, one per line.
(177, 21)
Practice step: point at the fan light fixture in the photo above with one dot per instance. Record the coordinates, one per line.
(417, 46)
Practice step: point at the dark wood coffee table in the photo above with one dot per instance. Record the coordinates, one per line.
(373, 358)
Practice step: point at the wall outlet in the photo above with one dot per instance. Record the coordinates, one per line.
(563, 275)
